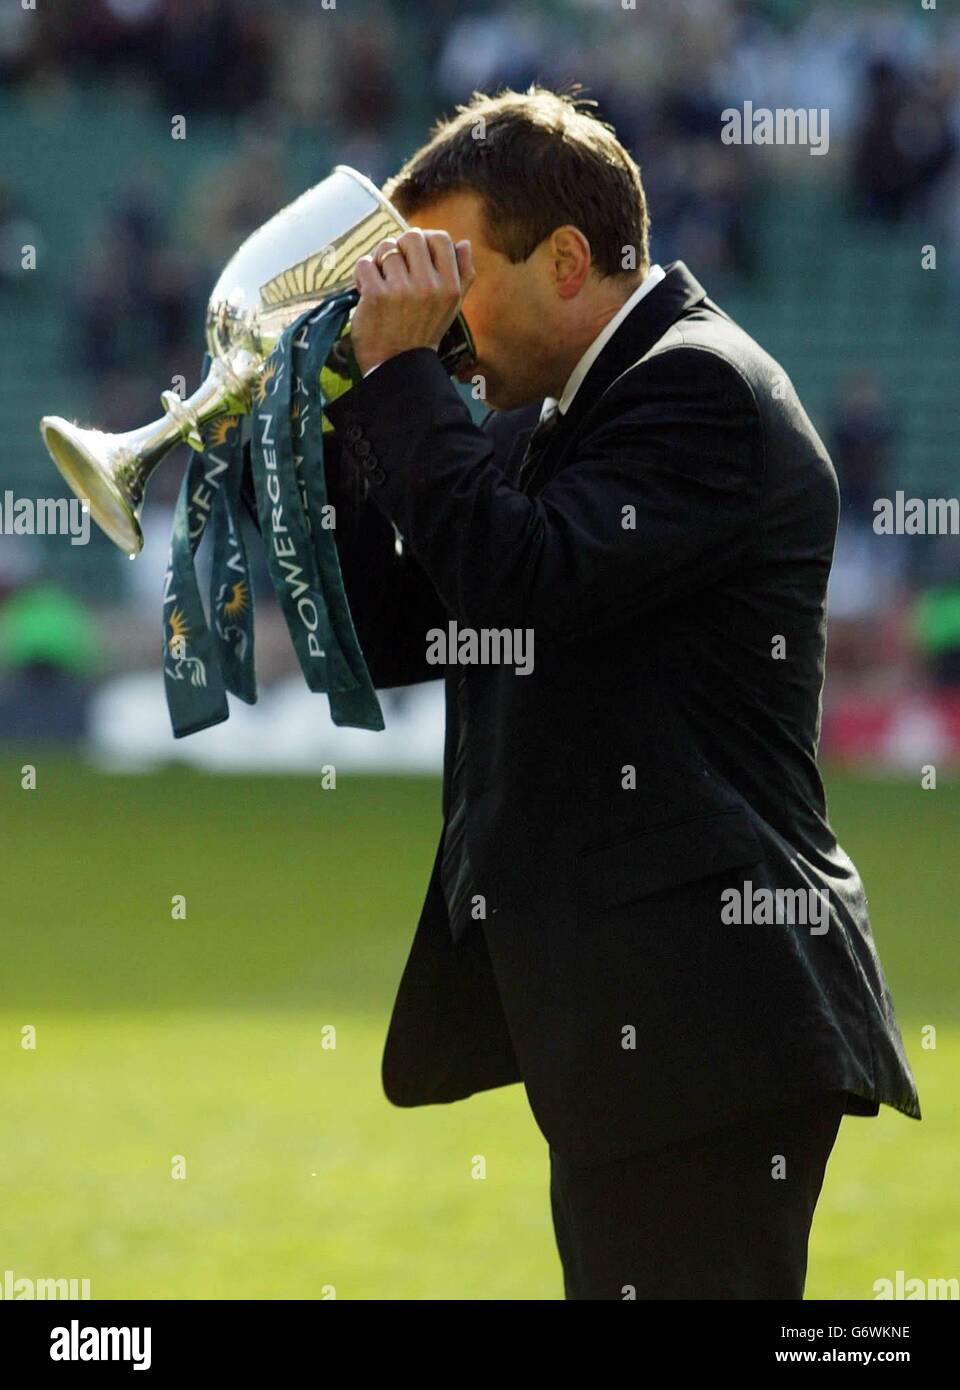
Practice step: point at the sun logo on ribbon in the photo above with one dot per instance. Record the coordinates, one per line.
(236, 604)
(265, 378)
(218, 431)
(179, 631)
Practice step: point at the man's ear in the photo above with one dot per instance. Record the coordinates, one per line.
(571, 259)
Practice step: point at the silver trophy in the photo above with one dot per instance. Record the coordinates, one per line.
(296, 261)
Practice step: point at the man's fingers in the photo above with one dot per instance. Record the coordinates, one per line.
(416, 253)
(366, 276)
(465, 266)
(427, 260)
(410, 289)
(444, 259)
(388, 262)
(394, 270)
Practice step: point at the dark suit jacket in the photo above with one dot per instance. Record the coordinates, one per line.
(603, 976)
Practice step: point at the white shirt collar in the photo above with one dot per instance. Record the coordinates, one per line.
(575, 380)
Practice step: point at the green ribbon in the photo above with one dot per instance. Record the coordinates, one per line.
(193, 680)
(297, 525)
(296, 521)
(353, 701)
(231, 583)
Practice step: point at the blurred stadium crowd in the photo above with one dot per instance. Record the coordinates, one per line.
(820, 258)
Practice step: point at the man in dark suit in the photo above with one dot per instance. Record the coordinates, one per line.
(638, 907)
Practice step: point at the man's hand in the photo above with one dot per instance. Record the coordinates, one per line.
(408, 299)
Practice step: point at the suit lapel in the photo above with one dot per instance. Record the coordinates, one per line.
(676, 293)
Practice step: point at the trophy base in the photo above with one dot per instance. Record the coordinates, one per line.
(91, 481)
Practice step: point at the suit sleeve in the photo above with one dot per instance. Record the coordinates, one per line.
(392, 602)
(661, 498)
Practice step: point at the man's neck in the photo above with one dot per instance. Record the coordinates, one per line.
(607, 301)
(610, 320)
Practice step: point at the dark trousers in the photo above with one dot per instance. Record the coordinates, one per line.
(724, 1215)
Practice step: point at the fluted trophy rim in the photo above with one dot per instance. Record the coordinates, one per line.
(66, 444)
(371, 187)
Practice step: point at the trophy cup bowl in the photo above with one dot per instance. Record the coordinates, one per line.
(294, 262)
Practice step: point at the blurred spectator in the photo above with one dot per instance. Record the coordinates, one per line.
(48, 653)
(215, 54)
(244, 194)
(699, 204)
(17, 230)
(936, 626)
(905, 143)
(16, 32)
(136, 294)
(861, 439)
(366, 88)
(108, 36)
(503, 45)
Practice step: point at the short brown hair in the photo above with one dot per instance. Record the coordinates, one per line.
(539, 161)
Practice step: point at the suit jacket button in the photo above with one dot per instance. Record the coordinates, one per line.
(362, 449)
(352, 433)
(378, 474)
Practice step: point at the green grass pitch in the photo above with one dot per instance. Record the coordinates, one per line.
(204, 1037)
